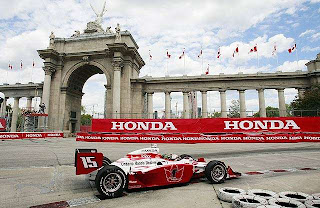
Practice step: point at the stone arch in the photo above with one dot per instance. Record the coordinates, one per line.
(74, 68)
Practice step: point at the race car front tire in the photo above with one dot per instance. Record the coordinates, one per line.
(106, 161)
(111, 181)
(216, 171)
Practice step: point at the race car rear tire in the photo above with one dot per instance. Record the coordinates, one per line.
(246, 201)
(111, 181)
(106, 161)
(312, 203)
(286, 202)
(227, 193)
(216, 171)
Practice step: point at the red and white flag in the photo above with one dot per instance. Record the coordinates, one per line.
(235, 51)
(274, 52)
(33, 64)
(168, 55)
(182, 55)
(219, 53)
(150, 56)
(200, 54)
(10, 66)
(207, 71)
(293, 48)
(21, 65)
(254, 49)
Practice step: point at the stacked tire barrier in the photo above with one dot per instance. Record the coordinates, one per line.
(259, 198)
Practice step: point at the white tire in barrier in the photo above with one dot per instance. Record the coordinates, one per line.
(312, 203)
(298, 196)
(226, 193)
(286, 202)
(316, 196)
(246, 201)
(262, 193)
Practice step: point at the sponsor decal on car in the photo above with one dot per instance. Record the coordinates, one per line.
(174, 174)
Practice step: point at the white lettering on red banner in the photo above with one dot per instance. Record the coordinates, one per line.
(152, 126)
(261, 125)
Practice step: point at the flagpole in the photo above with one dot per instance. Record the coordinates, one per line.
(32, 71)
(184, 62)
(258, 58)
(202, 62)
(297, 57)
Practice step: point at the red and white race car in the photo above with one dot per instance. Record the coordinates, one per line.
(146, 168)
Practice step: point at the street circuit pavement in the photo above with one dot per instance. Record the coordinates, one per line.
(41, 171)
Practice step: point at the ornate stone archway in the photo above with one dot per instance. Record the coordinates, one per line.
(70, 62)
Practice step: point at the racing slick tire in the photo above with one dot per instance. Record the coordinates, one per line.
(246, 201)
(106, 161)
(312, 203)
(262, 193)
(286, 202)
(298, 196)
(227, 193)
(216, 171)
(111, 181)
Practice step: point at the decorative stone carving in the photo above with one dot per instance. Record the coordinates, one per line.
(118, 33)
(99, 15)
(117, 64)
(52, 37)
(109, 31)
(85, 59)
(93, 27)
(49, 70)
(76, 34)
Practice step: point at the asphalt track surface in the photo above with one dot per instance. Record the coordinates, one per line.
(35, 172)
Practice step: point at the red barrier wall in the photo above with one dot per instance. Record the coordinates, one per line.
(30, 135)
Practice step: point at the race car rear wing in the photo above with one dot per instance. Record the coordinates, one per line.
(87, 160)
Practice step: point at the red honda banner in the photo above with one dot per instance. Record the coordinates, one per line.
(30, 135)
(208, 125)
(199, 138)
(2, 124)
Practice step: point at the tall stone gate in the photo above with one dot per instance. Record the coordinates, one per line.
(70, 62)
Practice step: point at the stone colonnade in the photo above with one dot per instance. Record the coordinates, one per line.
(223, 103)
(15, 110)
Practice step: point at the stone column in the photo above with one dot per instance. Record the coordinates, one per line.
(47, 87)
(3, 107)
(150, 105)
(223, 102)
(116, 88)
(15, 114)
(242, 98)
(186, 110)
(262, 103)
(282, 103)
(167, 105)
(204, 104)
(301, 92)
(29, 103)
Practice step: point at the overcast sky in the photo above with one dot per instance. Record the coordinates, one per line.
(157, 25)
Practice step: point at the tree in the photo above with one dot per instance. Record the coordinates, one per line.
(86, 119)
(234, 111)
(309, 105)
(215, 115)
(271, 112)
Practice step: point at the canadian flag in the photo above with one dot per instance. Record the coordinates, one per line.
(33, 64)
(21, 64)
(294, 47)
(150, 56)
(200, 54)
(168, 55)
(207, 71)
(219, 53)
(182, 55)
(10, 66)
(254, 49)
(235, 51)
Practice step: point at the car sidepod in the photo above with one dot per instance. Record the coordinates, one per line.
(164, 175)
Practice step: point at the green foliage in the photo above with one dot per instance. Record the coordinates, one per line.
(215, 115)
(271, 112)
(234, 109)
(86, 119)
(309, 105)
